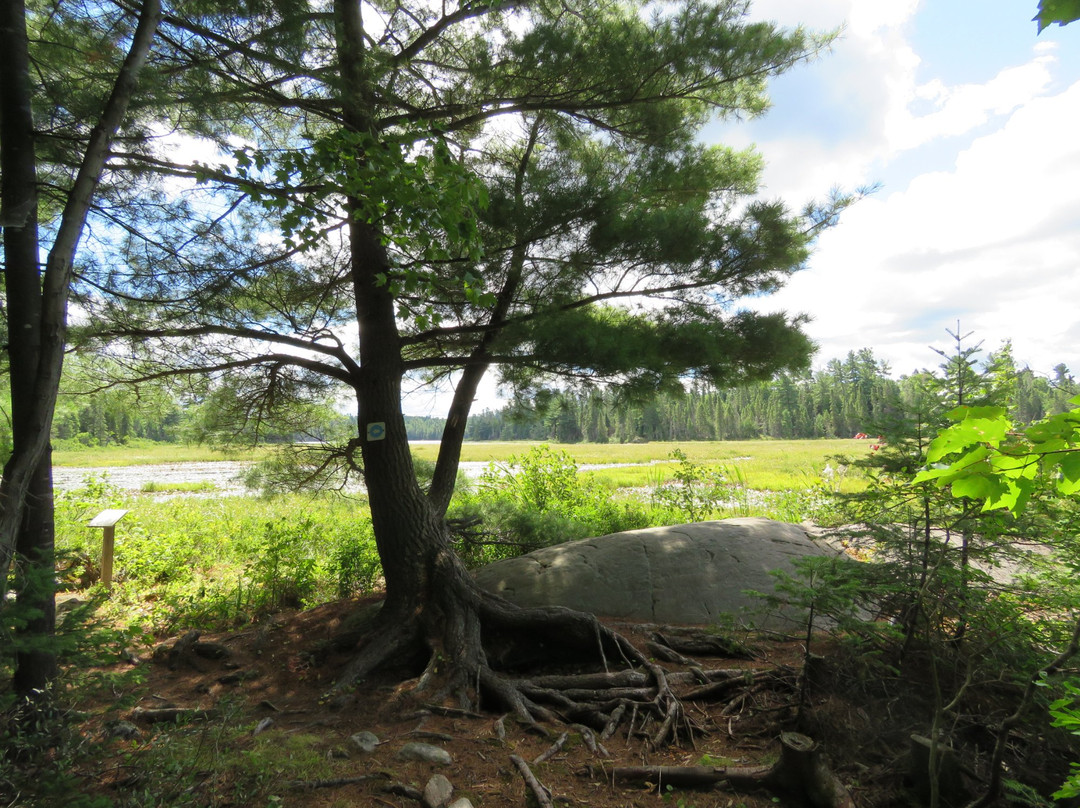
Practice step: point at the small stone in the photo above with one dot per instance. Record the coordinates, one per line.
(124, 730)
(366, 742)
(425, 752)
(463, 802)
(263, 725)
(437, 792)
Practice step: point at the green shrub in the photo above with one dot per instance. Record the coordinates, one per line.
(696, 492)
(536, 500)
(354, 564)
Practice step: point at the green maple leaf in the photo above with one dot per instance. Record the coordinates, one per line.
(1061, 12)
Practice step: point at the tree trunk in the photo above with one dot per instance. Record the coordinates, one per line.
(37, 318)
(26, 491)
(432, 603)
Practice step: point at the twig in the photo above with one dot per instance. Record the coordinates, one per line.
(543, 797)
(551, 750)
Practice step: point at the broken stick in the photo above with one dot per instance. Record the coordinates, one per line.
(543, 796)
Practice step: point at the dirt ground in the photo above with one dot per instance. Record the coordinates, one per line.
(272, 691)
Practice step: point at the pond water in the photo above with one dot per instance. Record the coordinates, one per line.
(224, 475)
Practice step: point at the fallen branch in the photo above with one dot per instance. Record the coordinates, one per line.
(800, 777)
(749, 679)
(402, 790)
(311, 785)
(159, 715)
(588, 737)
(613, 722)
(543, 796)
(553, 749)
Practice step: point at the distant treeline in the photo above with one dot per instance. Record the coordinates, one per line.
(849, 396)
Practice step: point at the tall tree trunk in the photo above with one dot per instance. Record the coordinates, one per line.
(26, 491)
(37, 316)
(432, 603)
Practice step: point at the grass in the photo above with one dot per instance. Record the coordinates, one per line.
(153, 487)
(768, 465)
(219, 560)
(791, 453)
(147, 453)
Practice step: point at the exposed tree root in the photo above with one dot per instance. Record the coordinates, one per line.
(475, 640)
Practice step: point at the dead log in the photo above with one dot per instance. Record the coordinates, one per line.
(661, 777)
(801, 777)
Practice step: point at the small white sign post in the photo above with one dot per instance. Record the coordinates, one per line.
(107, 521)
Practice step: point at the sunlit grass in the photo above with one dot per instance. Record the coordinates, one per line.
(811, 453)
(148, 454)
(155, 487)
(773, 465)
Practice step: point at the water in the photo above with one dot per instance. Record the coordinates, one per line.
(223, 474)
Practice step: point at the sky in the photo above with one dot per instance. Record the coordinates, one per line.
(967, 121)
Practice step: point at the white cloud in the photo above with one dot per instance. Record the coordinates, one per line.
(993, 242)
(870, 16)
(961, 109)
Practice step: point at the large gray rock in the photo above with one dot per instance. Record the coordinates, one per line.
(696, 573)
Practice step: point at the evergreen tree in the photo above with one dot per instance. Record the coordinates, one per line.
(457, 244)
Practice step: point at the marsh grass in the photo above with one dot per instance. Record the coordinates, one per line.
(781, 453)
(154, 487)
(139, 453)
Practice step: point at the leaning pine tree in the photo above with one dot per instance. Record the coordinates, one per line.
(454, 189)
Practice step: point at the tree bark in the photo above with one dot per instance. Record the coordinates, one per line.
(432, 603)
(37, 316)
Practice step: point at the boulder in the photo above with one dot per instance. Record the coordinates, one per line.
(695, 573)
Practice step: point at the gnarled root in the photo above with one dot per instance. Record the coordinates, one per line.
(473, 637)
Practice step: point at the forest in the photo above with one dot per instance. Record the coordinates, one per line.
(850, 395)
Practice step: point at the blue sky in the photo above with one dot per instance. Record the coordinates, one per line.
(968, 121)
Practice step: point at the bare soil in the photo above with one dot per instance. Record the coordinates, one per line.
(269, 679)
